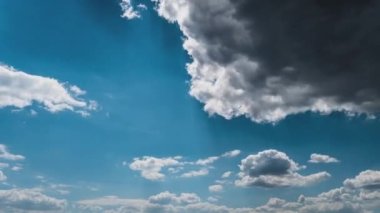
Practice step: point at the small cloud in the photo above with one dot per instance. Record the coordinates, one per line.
(129, 12)
(215, 188)
(319, 158)
(142, 6)
(226, 174)
(195, 173)
(166, 197)
(150, 167)
(232, 153)
(212, 199)
(206, 161)
(16, 168)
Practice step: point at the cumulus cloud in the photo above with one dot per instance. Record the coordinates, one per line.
(19, 89)
(269, 59)
(129, 11)
(368, 179)
(29, 200)
(215, 188)
(150, 167)
(195, 173)
(272, 168)
(319, 158)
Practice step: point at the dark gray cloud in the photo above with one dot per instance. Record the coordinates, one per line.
(268, 59)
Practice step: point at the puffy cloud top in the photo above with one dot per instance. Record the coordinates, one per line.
(272, 168)
(269, 59)
(368, 179)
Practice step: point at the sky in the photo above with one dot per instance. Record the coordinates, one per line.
(200, 106)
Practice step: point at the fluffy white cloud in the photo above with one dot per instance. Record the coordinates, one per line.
(25, 200)
(232, 153)
(195, 173)
(319, 158)
(19, 89)
(258, 65)
(150, 167)
(129, 12)
(215, 188)
(272, 168)
(6, 155)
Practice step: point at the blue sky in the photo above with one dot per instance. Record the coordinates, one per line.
(141, 100)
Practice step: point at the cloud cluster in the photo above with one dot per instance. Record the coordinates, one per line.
(353, 197)
(28, 200)
(319, 158)
(269, 59)
(129, 11)
(19, 89)
(8, 156)
(151, 168)
(272, 168)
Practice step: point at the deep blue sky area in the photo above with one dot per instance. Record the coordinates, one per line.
(136, 71)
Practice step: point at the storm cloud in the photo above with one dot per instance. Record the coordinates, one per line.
(269, 59)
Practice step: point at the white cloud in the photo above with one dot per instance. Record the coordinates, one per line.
(195, 173)
(19, 89)
(171, 198)
(368, 179)
(6, 155)
(226, 174)
(16, 168)
(29, 200)
(212, 199)
(129, 12)
(356, 198)
(232, 153)
(215, 188)
(319, 158)
(272, 168)
(150, 167)
(206, 161)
